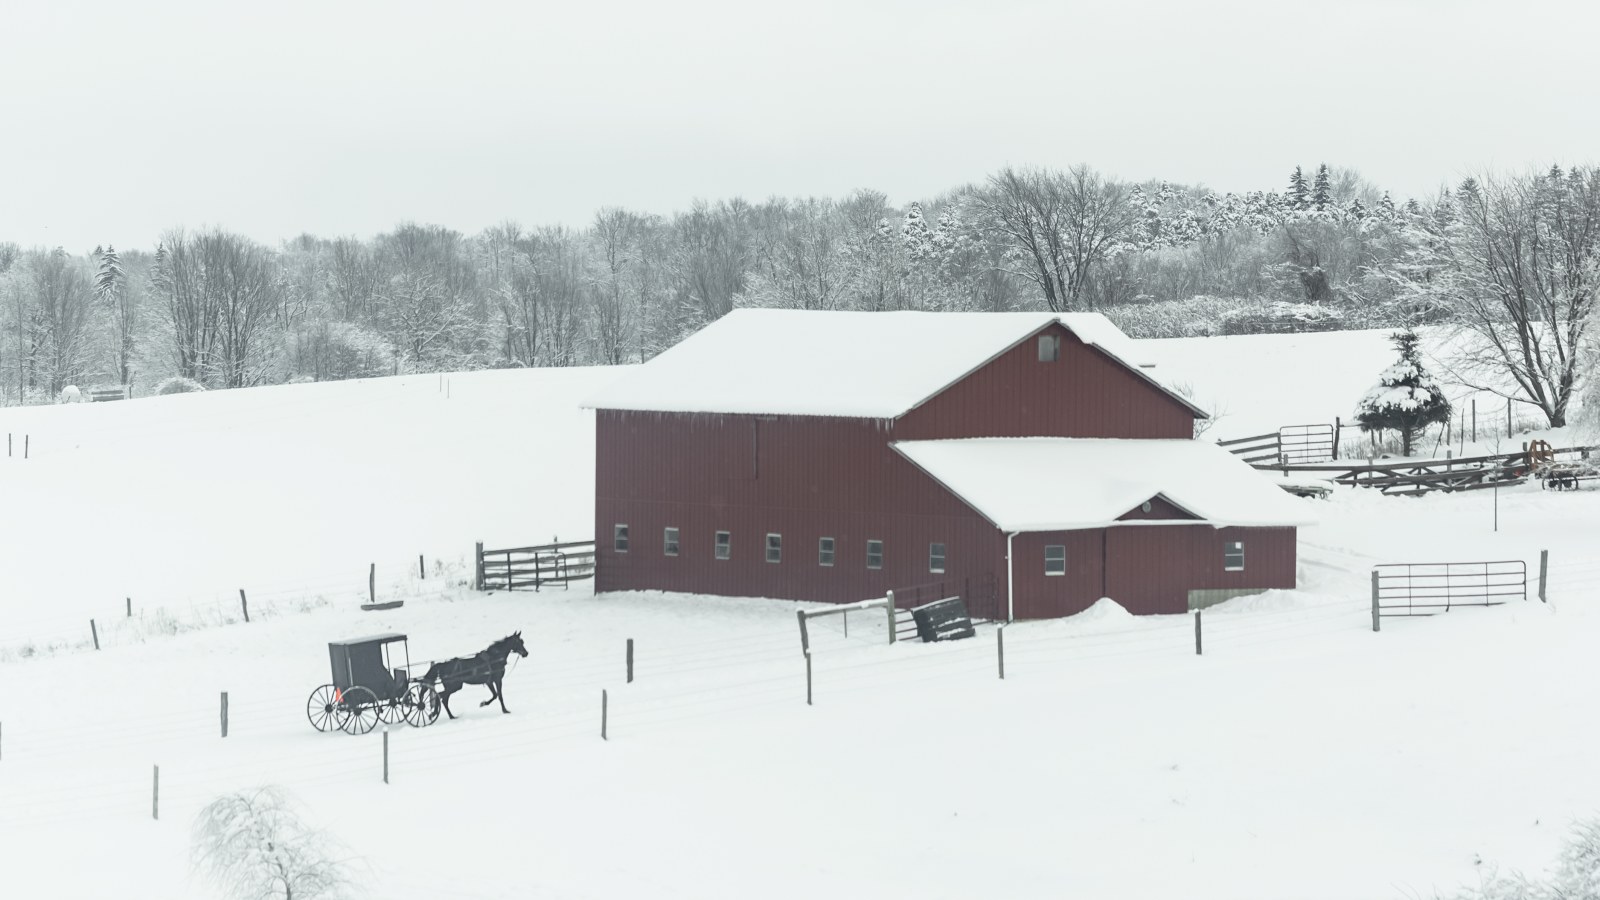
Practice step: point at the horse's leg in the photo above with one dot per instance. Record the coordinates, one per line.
(445, 697)
(500, 692)
(494, 691)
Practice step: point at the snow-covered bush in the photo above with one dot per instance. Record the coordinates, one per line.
(1576, 875)
(1281, 317)
(177, 384)
(253, 844)
(1406, 399)
(71, 394)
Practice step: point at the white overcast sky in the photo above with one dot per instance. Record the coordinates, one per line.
(119, 120)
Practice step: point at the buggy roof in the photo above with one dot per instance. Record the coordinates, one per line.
(389, 638)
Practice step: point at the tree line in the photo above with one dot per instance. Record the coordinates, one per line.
(1511, 257)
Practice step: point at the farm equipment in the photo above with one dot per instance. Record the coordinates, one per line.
(367, 688)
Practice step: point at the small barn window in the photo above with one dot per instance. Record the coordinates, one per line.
(669, 542)
(936, 558)
(774, 548)
(1049, 347)
(619, 538)
(1055, 559)
(724, 545)
(874, 554)
(1233, 556)
(825, 551)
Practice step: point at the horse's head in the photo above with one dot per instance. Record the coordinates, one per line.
(516, 645)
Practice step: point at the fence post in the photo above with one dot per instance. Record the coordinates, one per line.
(155, 793)
(890, 610)
(1338, 426)
(603, 713)
(477, 571)
(130, 607)
(1000, 644)
(1197, 632)
(805, 639)
(846, 615)
(25, 439)
(808, 677)
(372, 583)
(1544, 572)
(386, 754)
(1508, 420)
(630, 660)
(1374, 599)
(224, 713)
(422, 568)
(94, 633)
(244, 604)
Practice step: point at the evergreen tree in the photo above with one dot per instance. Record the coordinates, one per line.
(1406, 399)
(1322, 190)
(1299, 196)
(1386, 210)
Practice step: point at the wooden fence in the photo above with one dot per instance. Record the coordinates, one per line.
(524, 567)
(1291, 444)
(1409, 477)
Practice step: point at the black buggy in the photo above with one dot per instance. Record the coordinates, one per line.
(369, 688)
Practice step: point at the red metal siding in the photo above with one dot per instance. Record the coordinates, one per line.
(1083, 394)
(801, 477)
(1151, 569)
(1148, 569)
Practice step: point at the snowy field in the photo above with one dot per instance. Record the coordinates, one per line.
(1300, 756)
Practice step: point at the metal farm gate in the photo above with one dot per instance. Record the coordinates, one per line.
(1425, 589)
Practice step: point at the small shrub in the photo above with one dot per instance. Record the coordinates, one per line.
(177, 384)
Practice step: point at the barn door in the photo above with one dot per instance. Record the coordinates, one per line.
(1148, 568)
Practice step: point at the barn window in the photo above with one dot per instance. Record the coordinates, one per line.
(1233, 556)
(1055, 559)
(1049, 347)
(874, 554)
(619, 538)
(825, 551)
(936, 558)
(774, 548)
(669, 542)
(724, 545)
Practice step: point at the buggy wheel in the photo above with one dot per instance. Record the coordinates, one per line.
(361, 710)
(392, 711)
(325, 709)
(421, 705)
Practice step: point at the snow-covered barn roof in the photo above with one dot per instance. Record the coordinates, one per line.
(875, 365)
(1061, 484)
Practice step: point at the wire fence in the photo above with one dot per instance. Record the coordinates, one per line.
(678, 683)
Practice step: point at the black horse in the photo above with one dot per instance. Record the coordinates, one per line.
(486, 667)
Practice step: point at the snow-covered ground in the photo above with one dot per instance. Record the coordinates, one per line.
(1300, 756)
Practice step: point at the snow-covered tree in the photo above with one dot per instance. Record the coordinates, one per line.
(253, 845)
(1321, 189)
(1299, 193)
(1406, 399)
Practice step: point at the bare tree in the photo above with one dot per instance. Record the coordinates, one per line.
(1519, 261)
(58, 320)
(1061, 225)
(616, 233)
(254, 846)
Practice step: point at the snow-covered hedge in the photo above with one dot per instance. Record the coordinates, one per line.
(1280, 316)
(177, 384)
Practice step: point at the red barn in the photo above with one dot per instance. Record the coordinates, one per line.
(1025, 461)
